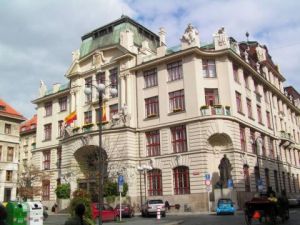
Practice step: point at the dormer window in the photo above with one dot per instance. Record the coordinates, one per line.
(2, 107)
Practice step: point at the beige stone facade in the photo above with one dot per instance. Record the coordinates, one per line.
(10, 121)
(178, 111)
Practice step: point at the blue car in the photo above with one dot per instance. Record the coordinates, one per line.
(225, 206)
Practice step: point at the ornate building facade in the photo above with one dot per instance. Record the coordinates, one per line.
(178, 111)
(10, 121)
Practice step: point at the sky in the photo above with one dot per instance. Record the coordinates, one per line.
(37, 37)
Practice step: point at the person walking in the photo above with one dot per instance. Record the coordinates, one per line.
(78, 218)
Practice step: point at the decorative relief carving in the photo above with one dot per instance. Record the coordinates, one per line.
(98, 58)
(261, 53)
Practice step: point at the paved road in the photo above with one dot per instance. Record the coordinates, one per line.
(186, 219)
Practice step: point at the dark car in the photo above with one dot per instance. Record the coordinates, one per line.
(126, 209)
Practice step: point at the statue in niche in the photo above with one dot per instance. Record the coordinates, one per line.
(225, 171)
(190, 34)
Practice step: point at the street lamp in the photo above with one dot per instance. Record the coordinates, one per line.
(143, 168)
(101, 90)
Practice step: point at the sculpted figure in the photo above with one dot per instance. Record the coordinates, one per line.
(190, 34)
(225, 170)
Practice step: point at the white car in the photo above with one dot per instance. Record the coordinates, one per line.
(151, 206)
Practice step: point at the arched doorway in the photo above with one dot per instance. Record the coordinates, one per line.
(87, 158)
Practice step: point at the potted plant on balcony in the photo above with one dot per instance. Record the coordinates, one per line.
(87, 126)
(76, 129)
(218, 109)
(204, 110)
(227, 110)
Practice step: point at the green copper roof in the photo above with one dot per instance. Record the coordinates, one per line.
(110, 35)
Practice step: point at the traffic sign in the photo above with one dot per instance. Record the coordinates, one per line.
(207, 182)
(230, 183)
(120, 183)
(207, 176)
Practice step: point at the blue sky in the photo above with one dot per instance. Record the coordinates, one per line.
(37, 37)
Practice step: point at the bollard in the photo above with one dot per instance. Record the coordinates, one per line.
(158, 213)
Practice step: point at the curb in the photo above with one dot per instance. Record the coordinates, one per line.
(174, 222)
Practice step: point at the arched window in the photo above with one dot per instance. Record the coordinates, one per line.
(181, 180)
(154, 182)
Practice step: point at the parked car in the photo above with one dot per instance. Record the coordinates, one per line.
(225, 206)
(108, 212)
(127, 210)
(150, 207)
(294, 202)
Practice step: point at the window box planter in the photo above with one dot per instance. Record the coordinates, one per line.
(76, 129)
(103, 122)
(204, 110)
(152, 115)
(177, 110)
(227, 110)
(218, 110)
(87, 125)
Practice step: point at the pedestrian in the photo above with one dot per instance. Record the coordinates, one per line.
(78, 218)
(3, 215)
(167, 205)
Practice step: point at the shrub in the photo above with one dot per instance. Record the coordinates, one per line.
(81, 196)
(63, 191)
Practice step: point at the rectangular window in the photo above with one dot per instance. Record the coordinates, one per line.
(176, 100)
(246, 78)
(276, 181)
(100, 78)
(9, 174)
(181, 179)
(249, 108)
(155, 182)
(243, 139)
(257, 176)
(211, 96)
(289, 182)
(59, 157)
(7, 194)
(239, 102)
(7, 128)
(259, 116)
(175, 70)
(283, 180)
(151, 107)
(253, 145)
(88, 117)
(47, 131)
(263, 145)
(63, 103)
(48, 108)
(0, 153)
(267, 178)
(268, 120)
(179, 141)
(113, 110)
(60, 128)
(247, 178)
(209, 68)
(153, 143)
(150, 78)
(271, 147)
(10, 154)
(88, 84)
(113, 79)
(236, 73)
(46, 160)
(45, 190)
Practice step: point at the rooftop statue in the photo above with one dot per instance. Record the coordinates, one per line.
(190, 34)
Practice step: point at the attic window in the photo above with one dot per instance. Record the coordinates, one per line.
(2, 107)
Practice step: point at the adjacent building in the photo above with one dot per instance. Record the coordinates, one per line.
(10, 121)
(177, 112)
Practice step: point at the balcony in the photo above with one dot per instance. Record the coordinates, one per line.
(215, 110)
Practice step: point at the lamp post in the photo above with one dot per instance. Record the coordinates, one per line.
(144, 168)
(100, 89)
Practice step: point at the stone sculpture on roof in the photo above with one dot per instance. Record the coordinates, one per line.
(191, 35)
(261, 53)
(42, 89)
